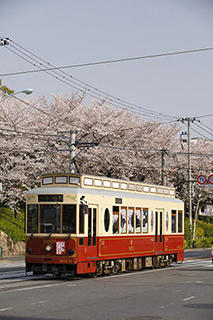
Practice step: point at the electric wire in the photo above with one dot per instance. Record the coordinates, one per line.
(151, 168)
(29, 104)
(205, 115)
(96, 95)
(202, 135)
(197, 125)
(154, 150)
(172, 53)
(211, 129)
(107, 95)
(107, 146)
(28, 133)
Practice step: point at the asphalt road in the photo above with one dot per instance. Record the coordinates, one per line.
(179, 292)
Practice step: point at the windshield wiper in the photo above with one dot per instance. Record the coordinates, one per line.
(50, 235)
(69, 235)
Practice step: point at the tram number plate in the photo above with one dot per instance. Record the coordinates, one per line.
(60, 247)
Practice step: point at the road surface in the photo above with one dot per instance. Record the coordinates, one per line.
(176, 293)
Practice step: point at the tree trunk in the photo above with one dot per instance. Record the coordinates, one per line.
(16, 213)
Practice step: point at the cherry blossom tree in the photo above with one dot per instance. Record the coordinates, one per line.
(127, 145)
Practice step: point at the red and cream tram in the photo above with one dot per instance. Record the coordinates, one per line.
(79, 224)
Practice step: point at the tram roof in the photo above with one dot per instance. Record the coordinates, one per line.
(103, 183)
(55, 190)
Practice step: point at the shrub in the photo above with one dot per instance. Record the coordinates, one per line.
(14, 228)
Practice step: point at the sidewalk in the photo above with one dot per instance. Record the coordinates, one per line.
(12, 259)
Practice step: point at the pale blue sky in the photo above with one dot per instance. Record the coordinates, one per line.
(68, 32)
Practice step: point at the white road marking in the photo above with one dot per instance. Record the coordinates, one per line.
(189, 298)
(40, 302)
(71, 285)
(6, 309)
(167, 305)
(198, 281)
(37, 287)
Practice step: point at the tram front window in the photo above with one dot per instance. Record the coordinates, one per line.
(49, 218)
(69, 218)
(32, 218)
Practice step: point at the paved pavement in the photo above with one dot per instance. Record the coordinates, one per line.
(12, 263)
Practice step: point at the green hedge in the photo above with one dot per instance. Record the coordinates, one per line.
(203, 235)
(14, 228)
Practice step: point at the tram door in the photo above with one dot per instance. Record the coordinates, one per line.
(92, 232)
(159, 239)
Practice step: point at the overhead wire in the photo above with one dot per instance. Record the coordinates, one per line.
(197, 125)
(107, 95)
(153, 167)
(151, 56)
(108, 146)
(153, 150)
(29, 104)
(202, 135)
(211, 129)
(117, 102)
(205, 115)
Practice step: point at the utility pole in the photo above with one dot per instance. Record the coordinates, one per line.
(163, 176)
(189, 171)
(72, 143)
(72, 151)
(189, 120)
(71, 147)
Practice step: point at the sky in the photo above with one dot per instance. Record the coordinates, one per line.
(69, 32)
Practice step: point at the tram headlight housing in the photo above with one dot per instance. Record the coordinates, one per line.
(71, 252)
(48, 248)
(29, 250)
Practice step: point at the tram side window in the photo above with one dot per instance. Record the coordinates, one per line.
(138, 220)
(32, 218)
(180, 221)
(115, 220)
(145, 220)
(50, 218)
(106, 220)
(174, 221)
(69, 218)
(130, 220)
(123, 219)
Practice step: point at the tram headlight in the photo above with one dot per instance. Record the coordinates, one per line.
(71, 252)
(29, 250)
(48, 248)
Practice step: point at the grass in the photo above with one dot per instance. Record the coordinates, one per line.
(14, 228)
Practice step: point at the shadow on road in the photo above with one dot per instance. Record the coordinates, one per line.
(197, 269)
(203, 306)
(3, 317)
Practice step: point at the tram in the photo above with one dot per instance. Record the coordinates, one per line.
(83, 224)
